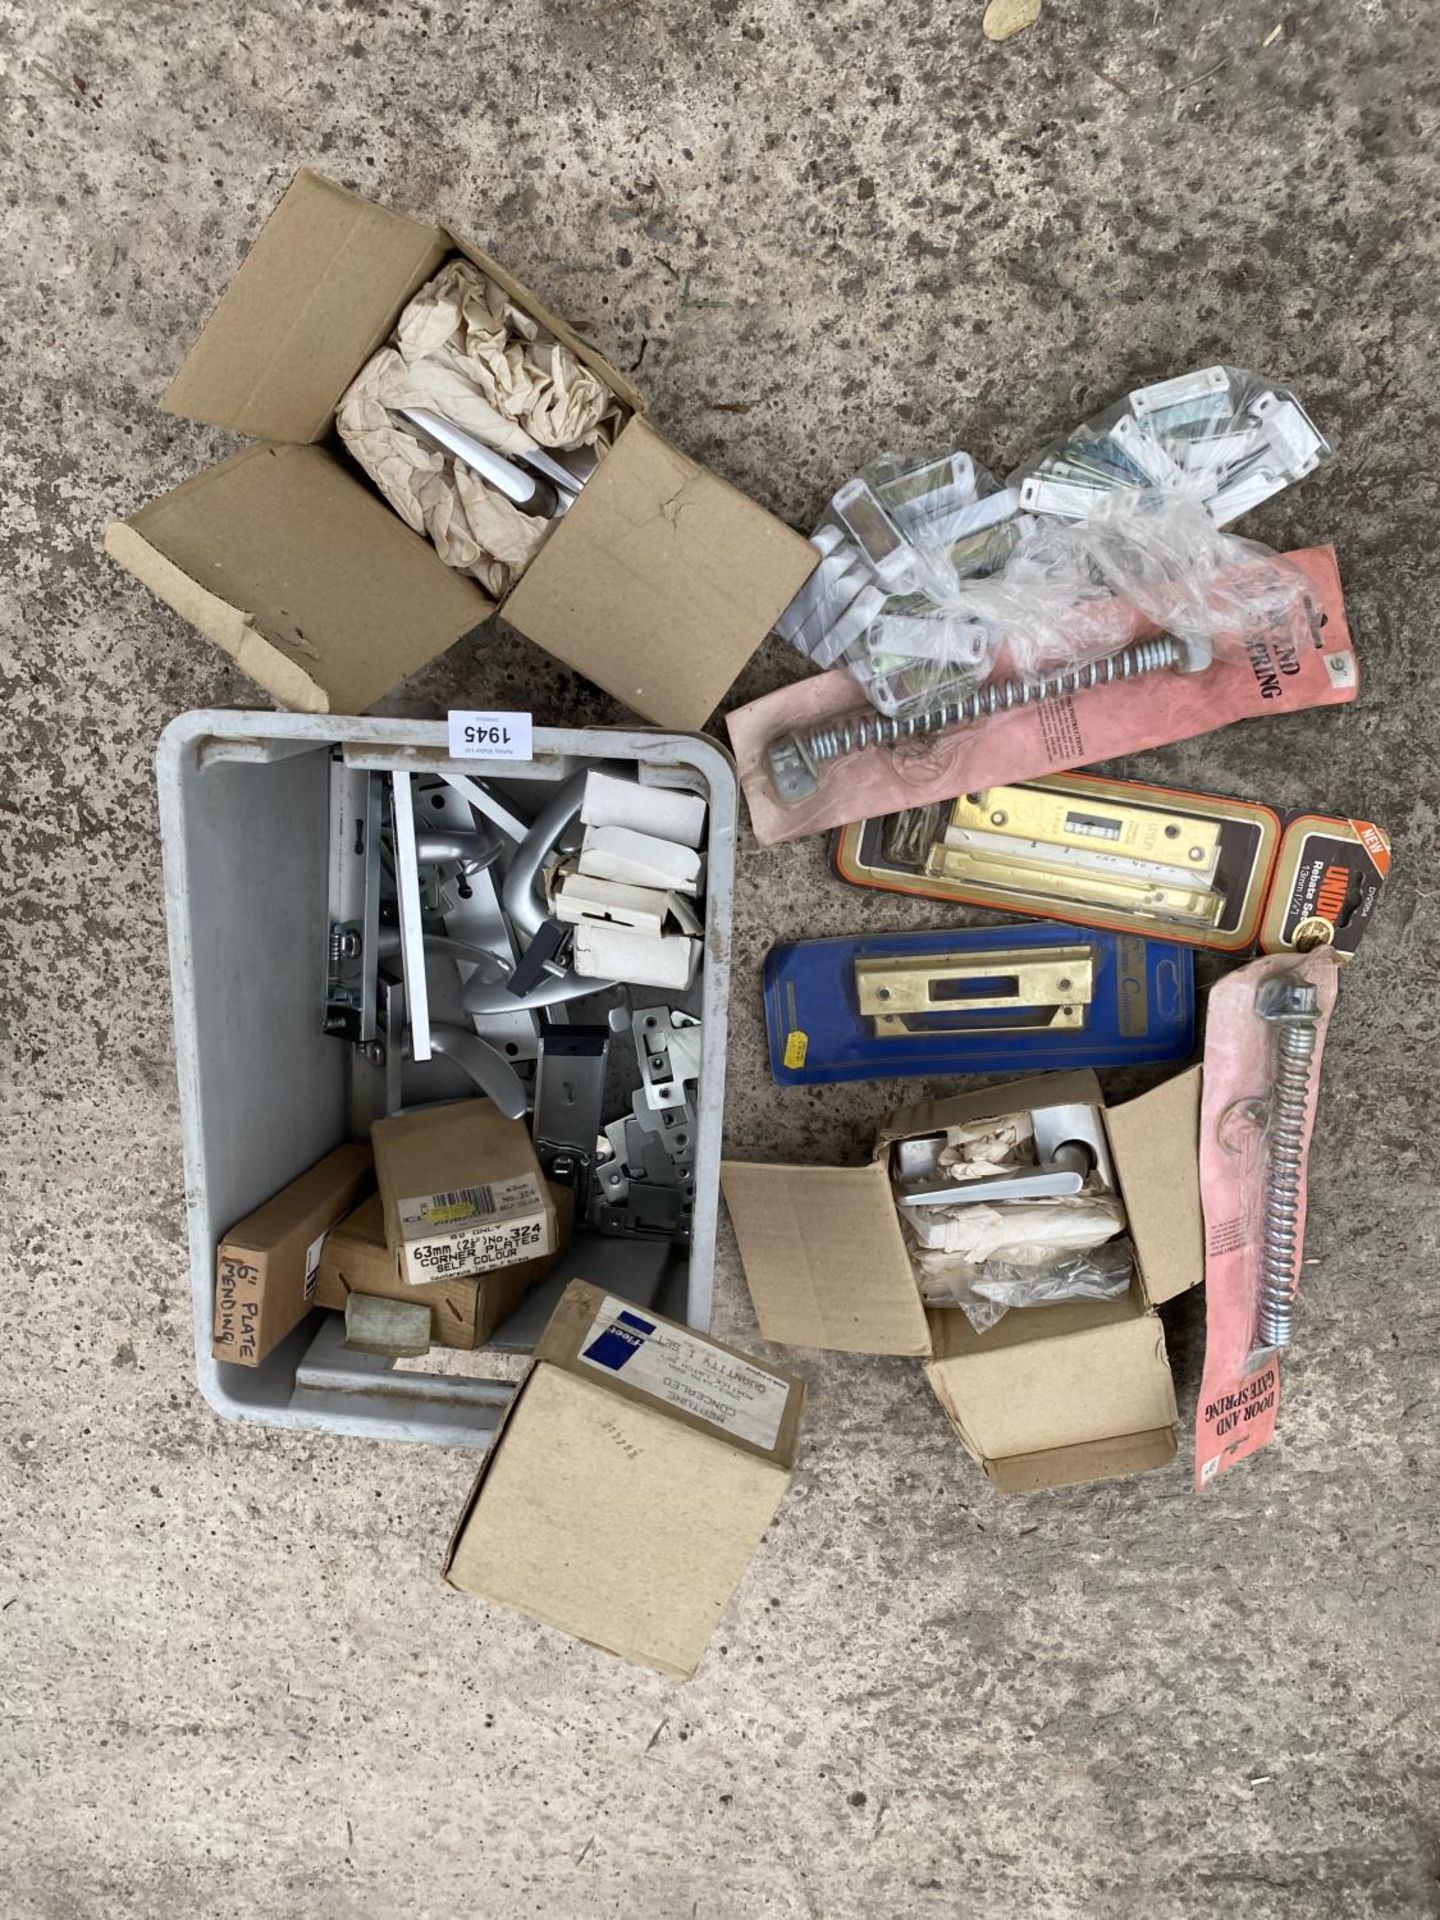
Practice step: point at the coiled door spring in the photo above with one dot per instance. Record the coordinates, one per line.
(1294, 1010)
(796, 759)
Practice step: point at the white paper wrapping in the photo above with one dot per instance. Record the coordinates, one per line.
(463, 351)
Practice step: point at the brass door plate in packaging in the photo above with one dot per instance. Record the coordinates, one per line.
(1049, 849)
(1232, 875)
(910, 994)
(1053, 821)
(1052, 888)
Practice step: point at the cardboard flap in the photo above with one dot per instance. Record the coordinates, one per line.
(824, 1257)
(1155, 1140)
(660, 582)
(283, 558)
(1092, 1460)
(606, 1519)
(523, 298)
(315, 296)
(1101, 1372)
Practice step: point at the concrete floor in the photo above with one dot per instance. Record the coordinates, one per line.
(232, 1683)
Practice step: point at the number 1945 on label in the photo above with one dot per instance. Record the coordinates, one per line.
(491, 736)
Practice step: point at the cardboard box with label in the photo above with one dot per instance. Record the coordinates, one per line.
(465, 1310)
(1053, 1395)
(267, 1265)
(462, 1191)
(630, 1482)
(658, 584)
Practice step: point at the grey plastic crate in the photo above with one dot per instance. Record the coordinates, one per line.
(263, 1092)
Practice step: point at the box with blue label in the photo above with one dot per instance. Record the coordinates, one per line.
(630, 1482)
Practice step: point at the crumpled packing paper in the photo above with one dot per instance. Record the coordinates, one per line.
(462, 350)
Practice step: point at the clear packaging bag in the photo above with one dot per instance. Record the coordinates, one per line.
(988, 1292)
(935, 580)
(1136, 502)
(895, 545)
(1221, 437)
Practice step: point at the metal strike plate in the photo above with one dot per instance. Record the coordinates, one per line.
(644, 1188)
(673, 1127)
(667, 1046)
(908, 996)
(1172, 844)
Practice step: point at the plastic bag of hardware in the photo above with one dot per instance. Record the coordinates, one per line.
(1134, 503)
(934, 578)
(991, 1289)
(895, 544)
(1264, 1037)
(1220, 436)
(466, 367)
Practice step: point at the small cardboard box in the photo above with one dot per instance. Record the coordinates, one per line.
(629, 1483)
(658, 584)
(1051, 1395)
(462, 1191)
(266, 1266)
(464, 1312)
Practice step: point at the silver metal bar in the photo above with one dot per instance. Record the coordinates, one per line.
(1034, 1183)
(412, 933)
(330, 1368)
(526, 490)
(484, 802)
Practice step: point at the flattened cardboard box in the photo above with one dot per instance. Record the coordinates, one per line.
(629, 1483)
(465, 1312)
(462, 1191)
(658, 584)
(266, 1265)
(1051, 1395)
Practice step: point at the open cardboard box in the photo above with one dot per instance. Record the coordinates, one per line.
(1051, 1395)
(658, 584)
(630, 1481)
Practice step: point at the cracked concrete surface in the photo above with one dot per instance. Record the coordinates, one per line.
(232, 1684)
